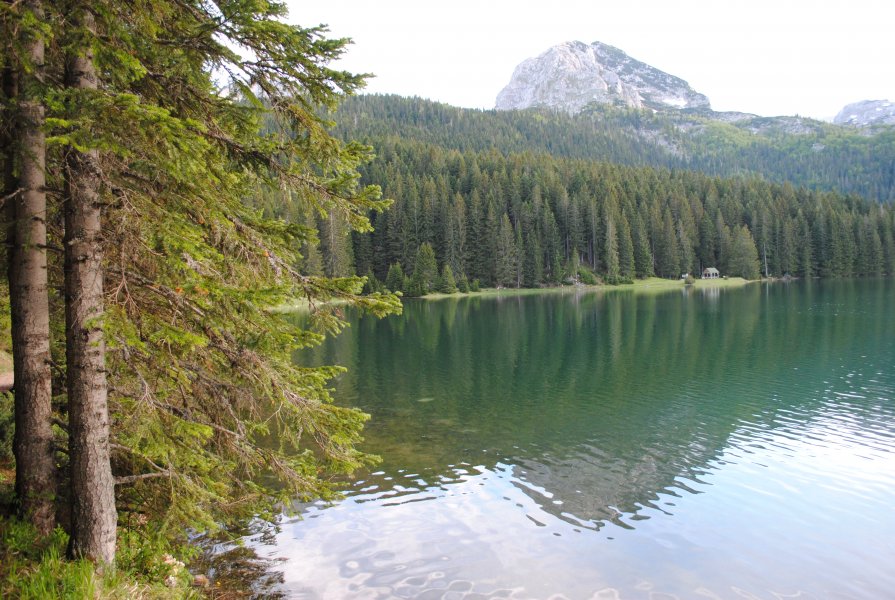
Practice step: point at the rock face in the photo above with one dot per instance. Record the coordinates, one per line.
(867, 113)
(572, 75)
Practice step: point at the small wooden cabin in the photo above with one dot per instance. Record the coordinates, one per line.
(710, 273)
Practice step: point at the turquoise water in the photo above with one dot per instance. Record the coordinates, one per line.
(738, 443)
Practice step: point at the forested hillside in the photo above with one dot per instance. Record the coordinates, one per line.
(531, 219)
(805, 152)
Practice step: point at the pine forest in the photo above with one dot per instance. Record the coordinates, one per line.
(178, 172)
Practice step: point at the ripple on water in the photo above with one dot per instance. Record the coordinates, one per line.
(665, 447)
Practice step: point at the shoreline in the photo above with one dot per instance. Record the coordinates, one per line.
(652, 284)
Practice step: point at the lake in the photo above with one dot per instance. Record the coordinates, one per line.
(735, 443)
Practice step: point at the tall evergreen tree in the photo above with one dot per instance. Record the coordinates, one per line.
(455, 251)
(335, 245)
(625, 251)
(425, 271)
(685, 250)
(24, 116)
(394, 281)
(666, 247)
(743, 254)
(610, 239)
(643, 256)
(202, 368)
(505, 256)
(94, 516)
(446, 281)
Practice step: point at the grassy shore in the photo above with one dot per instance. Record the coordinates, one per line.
(651, 285)
(657, 284)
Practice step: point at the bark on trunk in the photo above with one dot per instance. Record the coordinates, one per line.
(29, 304)
(94, 518)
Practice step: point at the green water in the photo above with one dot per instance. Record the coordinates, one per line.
(735, 443)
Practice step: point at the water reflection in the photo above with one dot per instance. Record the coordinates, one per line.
(615, 445)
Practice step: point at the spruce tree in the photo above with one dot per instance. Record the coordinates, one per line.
(625, 251)
(610, 250)
(94, 517)
(643, 256)
(744, 254)
(201, 366)
(667, 248)
(394, 281)
(425, 271)
(506, 258)
(447, 283)
(26, 198)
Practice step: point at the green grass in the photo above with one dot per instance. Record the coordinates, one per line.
(653, 284)
(36, 569)
(494, 292)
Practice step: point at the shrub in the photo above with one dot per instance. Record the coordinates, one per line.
(617, 280)
(394, 281)
(586, 276)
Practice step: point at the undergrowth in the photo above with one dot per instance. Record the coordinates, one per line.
(36, 569)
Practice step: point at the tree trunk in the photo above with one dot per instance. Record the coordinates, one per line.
(29, 304)
(94, 518)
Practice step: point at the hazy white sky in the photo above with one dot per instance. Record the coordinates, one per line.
(769, 57)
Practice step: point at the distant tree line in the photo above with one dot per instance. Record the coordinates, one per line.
(528, 220)
(807, 153)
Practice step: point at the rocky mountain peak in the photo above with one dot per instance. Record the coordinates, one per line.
(571, 75)
(867, 113)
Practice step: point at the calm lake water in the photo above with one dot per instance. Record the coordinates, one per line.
(735, 443)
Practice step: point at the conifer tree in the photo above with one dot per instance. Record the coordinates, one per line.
(425, 271)
(394, 281)
(743, 254)
(201, 367)
(506, 254)
(94, 517)
(447, 283)
(335, 245)
(666, 247)
(455, 250)
(625, 251)
(887, 240)
(685, 250)
(25, 156)
(643, 256)
(610, 251)
(787, 247)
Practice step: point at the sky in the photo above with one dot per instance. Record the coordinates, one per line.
(782, 57)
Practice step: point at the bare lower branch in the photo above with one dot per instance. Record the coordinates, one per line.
(134, 478)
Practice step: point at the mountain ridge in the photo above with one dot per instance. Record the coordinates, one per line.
(571, 75)
(867, 113)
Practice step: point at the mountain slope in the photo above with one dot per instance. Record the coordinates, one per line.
(804, 152)
(867, 113)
